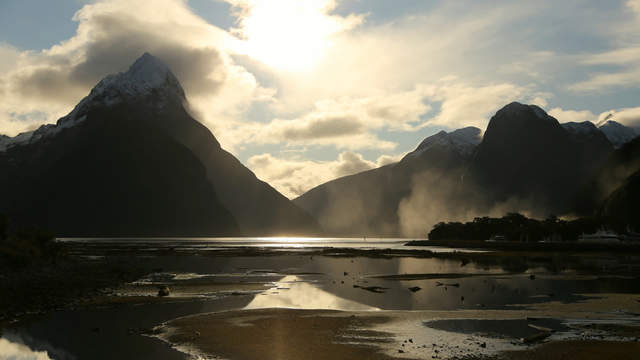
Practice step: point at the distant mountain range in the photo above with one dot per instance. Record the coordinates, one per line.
(525, 162)
(129, 160)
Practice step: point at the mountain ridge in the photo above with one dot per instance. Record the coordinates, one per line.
(525, 161)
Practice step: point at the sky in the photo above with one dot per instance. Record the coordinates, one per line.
(304, 91)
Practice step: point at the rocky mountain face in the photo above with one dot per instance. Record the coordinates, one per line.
(529, 160)
(603, 191)
(592, 145)
(622, 207)
(129, 160)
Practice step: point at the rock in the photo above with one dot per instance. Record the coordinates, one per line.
(535, 337)
(373, 289)
(415, 288)
(346, 273)
(483, 345)
(163, 290)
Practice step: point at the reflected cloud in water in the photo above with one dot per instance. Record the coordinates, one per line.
(292, 292)
(10, 350)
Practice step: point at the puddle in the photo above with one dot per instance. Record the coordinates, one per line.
(502, 329)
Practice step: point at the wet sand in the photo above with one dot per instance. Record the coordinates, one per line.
(280, 334)
(295, 334)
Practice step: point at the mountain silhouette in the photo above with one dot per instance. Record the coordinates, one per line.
(130, 160)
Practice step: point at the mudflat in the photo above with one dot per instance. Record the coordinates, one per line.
(327, 303)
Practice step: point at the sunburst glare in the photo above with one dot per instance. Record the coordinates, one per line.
(290, 35)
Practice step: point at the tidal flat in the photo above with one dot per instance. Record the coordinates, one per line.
(326, 302)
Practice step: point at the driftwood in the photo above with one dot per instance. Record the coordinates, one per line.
(536, 337)
(541, 328)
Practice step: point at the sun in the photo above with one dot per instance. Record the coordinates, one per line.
(292, 35)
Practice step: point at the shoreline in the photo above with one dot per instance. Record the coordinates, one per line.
(633, 247)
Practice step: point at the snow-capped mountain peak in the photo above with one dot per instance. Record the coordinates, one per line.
(617, 133)
(148, 76)
(462, 141)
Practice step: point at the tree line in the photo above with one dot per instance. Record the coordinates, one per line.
(517, 227)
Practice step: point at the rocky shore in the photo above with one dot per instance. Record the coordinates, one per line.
(68, 283)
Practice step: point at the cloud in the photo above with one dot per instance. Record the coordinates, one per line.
(352, 123)
(604, 81)
(288, 34)
(389, 159)
(627, 116)
(349, 123)
(294, 177)
(564, 116)
(465, 105)
(315, 127)
(393, 56)
(634, 5)
(625, 59)
(9, 55)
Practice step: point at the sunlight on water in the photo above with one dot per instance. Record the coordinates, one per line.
(261, 242)
(292, 292)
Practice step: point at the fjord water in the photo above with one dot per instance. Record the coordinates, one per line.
(251, 242)
(217, 275)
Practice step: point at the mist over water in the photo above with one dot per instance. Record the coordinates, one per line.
(443, 197)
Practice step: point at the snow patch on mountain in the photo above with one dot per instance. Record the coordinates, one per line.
(583, 128)
(462, 141)
(147, 76)
(617, 133)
